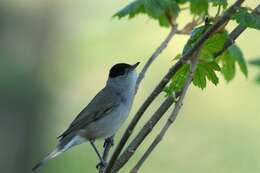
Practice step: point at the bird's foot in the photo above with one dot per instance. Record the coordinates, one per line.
(101, 165)
(108, 141)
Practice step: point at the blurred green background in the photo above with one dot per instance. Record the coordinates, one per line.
(55, 56)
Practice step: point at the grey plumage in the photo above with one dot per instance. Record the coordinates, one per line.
(102, 117)
(92, 113)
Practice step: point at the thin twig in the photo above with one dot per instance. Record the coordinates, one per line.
(232, 37)
(171, 118)
(235, 33)
(157, 52)
(218, 23)
(147, 128)
(152, 146)
(186, 30)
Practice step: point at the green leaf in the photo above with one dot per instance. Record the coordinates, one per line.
(255, 62)
(159, 10)
(199, 78)
(178, 80)
(195, 34)
(237, 55)
(210, 69)
(214, 44)
(213, 65)
(211, 75)
(229, 58)
(206, 71)
(222, 3)
(228, 67)
(131, 10)
(211, 46)
(247, 19)
(199, 7)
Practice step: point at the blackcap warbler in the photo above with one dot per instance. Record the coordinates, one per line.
(104, 115)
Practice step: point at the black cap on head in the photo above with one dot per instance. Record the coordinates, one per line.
(118, 69)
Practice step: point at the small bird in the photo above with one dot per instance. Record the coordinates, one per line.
(104, 115)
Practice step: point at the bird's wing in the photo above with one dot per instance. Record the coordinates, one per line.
(101, 105)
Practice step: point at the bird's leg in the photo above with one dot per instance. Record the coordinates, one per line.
(109, 141)
(102, 162)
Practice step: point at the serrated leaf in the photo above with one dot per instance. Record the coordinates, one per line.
(237, 55)
(222, 3)
(228, 60)
(153, 8)
(214, 66)
(199, 78)
(214, 44)
(178, 80)
(199, 7)
(211, 75)
(159, 10)
(131, 10)
(228, 66)
(206, 71)
(247, 19)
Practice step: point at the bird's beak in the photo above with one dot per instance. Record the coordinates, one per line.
(135, 65)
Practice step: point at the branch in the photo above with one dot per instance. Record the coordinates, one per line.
(107, 146)
(235, 33)
(148, 127)
(172, 117)
(186, 30)
(158, 89)
(157, 52)
(232, 37)
(157, 140)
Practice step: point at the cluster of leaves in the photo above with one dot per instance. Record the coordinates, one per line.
(245, 18)
(209, 65)
(166, 11)
(256, 63)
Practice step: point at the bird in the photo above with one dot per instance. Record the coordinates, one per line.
(104, 114)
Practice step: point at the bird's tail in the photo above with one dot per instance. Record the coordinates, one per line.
(50, 156)
(63, 146)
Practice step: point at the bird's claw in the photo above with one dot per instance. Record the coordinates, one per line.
(101, 164)
(108, 141)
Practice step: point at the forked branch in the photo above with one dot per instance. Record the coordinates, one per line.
(116, 163)
(173, 115)
(150, 60)
(232, 37)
